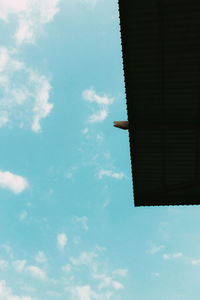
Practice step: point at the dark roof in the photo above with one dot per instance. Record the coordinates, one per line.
(161, 61)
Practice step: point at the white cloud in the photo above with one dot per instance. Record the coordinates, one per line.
(83, 221)
(99, 117)
(111, 174)
(120, 272)
(85, 293)
(3, 264)
(31, 15)
(91, 96)
(117, 285)
(41, 257)
(17, 184)
(25, 32)
(156, 274)
(41, 107)
(19, 265)
(166, 256)
(4, 59)
(25, 93)
(12, 7)
(62, 240)
(48, 9)
(156, 249)
(36, 272)
(172, 256)
(6, 293)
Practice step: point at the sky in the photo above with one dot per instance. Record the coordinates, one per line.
(68, 226)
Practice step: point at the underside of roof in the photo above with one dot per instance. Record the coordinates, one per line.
(161, 60)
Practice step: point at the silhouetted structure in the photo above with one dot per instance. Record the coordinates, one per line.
(121, 124)
(161, 59)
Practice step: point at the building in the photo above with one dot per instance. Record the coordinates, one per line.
(161, 61)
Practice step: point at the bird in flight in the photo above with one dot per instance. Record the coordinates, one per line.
(121, 124)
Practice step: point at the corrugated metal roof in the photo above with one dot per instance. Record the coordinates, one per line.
(161, 60)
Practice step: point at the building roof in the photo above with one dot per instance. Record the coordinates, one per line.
(161, 61)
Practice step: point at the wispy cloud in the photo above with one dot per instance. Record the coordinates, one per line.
(8, 250)
(90, 260)
(41, 107)
(156, 249)
(6, 293)
(19, 265)
(85, 130)
(41, 257)
(25, 93)
(61, 240)
(86, 258)
(17, 184)
(82, 220)
(84, 293)
(195, 261)
(110, 173)
(23, 215)
(76, 240)
(100, 248)
(120, 272)
(66, 268)
(71, 172)
(3, 264)
(172, 256)
(107, 281)
(91, 96)
(31, 15)
(103, 102)
(100, 138)
(3, 119)
(36, 272)
(99, 116)
(53, 294)
(106, 203)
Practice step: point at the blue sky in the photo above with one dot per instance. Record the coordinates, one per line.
(68, 227)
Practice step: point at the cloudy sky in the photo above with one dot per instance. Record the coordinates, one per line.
(68, 227)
